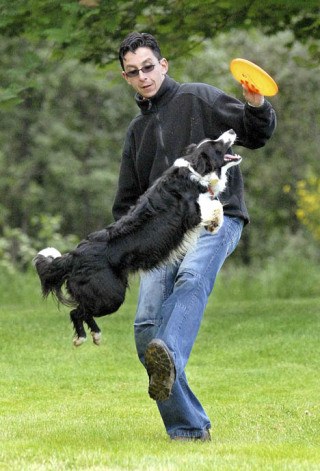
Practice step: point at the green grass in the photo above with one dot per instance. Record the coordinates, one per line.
(255, 367)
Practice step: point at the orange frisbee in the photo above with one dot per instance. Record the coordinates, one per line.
(253, 77)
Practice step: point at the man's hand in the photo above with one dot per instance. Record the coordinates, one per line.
(254, 99)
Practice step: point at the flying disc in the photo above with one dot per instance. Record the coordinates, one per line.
(253, 77)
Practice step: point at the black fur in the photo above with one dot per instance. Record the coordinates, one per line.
(95, 274)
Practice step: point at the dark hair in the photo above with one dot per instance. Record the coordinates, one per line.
(135, 40)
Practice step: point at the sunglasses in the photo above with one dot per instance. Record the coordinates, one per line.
(146, 69)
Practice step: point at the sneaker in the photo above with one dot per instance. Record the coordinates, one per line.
(205, 437)
(161, 370)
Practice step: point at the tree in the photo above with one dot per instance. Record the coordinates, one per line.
(308, 211)
(63, 123)
(91, 30)
(61, 145)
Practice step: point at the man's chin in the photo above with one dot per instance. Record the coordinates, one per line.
(148, 93)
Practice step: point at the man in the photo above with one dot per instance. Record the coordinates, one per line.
(172, 299)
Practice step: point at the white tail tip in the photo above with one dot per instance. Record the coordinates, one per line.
(50, 252)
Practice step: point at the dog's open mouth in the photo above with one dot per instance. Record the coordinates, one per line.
(232, 158)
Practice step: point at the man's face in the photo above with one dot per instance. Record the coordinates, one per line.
(145, 83)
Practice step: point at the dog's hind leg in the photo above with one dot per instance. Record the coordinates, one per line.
(77, 319)
(95, 330)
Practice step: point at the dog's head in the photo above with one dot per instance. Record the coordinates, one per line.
(212, 155)
(210, 160)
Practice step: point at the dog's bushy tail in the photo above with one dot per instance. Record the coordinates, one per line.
(53, 270)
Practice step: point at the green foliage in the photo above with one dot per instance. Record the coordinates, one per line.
(61, 145)
(17, 248)
(285, 276)
(309, 205)
(76, 31)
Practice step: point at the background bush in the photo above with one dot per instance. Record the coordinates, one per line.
(61, 141)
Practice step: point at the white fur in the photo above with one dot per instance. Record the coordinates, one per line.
(50, 252)
(189, 241)
(211, 215)
(217, 185)
(181, 162)
(211, 211)
(227, 137)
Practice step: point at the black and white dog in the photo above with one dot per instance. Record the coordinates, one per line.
(161, 226)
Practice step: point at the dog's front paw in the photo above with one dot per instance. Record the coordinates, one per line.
(211, 212)
(217, 218)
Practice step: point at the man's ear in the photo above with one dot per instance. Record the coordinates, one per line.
(164, 65)
(125, 77)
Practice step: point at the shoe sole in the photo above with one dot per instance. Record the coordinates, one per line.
(205, 437)
(160, 368)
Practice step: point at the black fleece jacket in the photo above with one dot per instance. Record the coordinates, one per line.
(179, 115)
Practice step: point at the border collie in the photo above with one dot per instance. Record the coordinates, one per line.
(160, 227)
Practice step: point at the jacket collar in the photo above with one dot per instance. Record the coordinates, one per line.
(168, 88)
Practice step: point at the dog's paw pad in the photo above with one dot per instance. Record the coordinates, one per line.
(217, 220)
(77, 341)
(214, 226)
(96, 337)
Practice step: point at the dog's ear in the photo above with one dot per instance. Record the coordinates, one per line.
(203, 163)
(190, 148)
(201, 159)
(213, 152)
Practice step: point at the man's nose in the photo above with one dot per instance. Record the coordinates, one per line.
(142, 75)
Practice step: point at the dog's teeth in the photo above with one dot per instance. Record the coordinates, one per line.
(230, 158)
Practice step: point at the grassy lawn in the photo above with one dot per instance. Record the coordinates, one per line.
(255, 367)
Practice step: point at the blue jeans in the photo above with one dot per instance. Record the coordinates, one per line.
(171, 304)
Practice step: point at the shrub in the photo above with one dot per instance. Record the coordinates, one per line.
(17, 248)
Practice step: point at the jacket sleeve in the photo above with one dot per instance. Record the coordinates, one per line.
(128, 189)
(253, 126)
